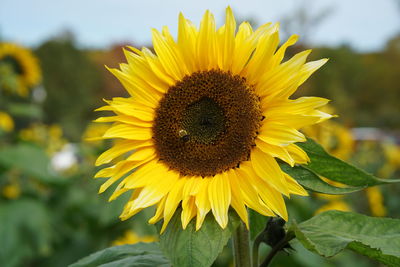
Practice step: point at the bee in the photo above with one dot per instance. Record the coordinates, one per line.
(183, 134)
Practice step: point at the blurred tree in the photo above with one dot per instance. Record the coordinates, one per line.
(71, 81)
(302, 21)
(110, 86)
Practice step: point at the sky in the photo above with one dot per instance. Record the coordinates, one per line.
(366, 25)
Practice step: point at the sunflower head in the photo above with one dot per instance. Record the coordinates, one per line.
(208, 118)
(23, 63)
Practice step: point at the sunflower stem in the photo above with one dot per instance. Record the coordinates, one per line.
(256, 245)
(241, 246)
(278, 247)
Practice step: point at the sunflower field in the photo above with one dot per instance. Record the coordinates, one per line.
(215, 145)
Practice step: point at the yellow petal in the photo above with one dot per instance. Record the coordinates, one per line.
(173, 199)
(273, 199)
(279, 134)
(188, 210)
(219, 194)
(143, 154)
(191, 187)
(226, 42)
(246, 180)
(128, 211)
(120, 148)
(295, 121)
(169, 56)
(243, 47)
(128, 132)
(135, 90)
(309, 68)
(279, 55)
(155, 190)
(277, 82)
(131, 108)
(258, 64)
(275, 151)
(157, 67)
(237, 197)
(159, 211)
(121, 170)
(144, 175)
(268, 169)
(187, 35)
(125, 119)
(143, 89)
(206, 44)
(302, 105)
(139, 67)
(202, 202)
(299, 156)
(294, 186)
(269, 196)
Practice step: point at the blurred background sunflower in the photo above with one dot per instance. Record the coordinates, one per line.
(23, 64)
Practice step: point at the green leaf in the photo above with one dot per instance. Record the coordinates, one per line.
(140, 254)
(337, 170)
(330, 232)
(25, 230)
(313, 182)
(29, 160)
(195, 248)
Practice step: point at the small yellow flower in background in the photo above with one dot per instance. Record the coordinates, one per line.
(208, 116)
(48, 136)
(375, 200)
(130, 237)
(56, 141)
(55, 131)
(392, 163)
(11, 191)
(6, 122)
(24, 64)
(334, 205)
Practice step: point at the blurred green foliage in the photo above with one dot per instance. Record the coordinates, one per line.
(71, 81)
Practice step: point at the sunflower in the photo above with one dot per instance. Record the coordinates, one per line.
(207, 118)
(24, 64)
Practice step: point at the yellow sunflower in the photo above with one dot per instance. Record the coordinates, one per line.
(24, 64)
(207, 118)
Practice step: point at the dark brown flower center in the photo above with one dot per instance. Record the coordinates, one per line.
(206, 123)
